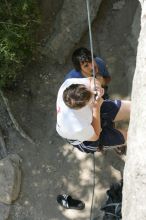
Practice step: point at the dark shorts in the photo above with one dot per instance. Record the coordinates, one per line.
(110, 108)
(109, 135)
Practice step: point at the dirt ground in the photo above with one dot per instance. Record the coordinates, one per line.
(50, 166)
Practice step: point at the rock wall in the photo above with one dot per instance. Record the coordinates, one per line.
(70, 24)
(134, 191)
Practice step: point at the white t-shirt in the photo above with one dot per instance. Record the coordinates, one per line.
(74, 124)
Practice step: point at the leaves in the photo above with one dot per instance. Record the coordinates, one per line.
(18, 24)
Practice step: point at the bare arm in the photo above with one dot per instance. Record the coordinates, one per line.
(96, 105)
(96, 119)
(96, 116)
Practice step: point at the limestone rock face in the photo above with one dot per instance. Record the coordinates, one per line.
(4, 211)
(134, 191)
(10, 178)
(70, 24)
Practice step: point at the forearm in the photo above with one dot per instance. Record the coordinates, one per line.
(98, 93)
(96, 121)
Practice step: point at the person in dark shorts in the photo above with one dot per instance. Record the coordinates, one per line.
(88, 123)
(109, 136)
(80, 115)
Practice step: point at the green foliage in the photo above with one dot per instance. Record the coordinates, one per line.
(18, 23)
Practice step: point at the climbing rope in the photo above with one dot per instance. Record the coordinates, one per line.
(91, 209)
(93, 73)
(91, 42)
(114, 146)
(94, 77)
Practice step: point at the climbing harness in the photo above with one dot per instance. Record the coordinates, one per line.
(114, 146)
(117, 207)
(113, 205)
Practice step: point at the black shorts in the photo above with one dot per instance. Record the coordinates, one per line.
(109, 135)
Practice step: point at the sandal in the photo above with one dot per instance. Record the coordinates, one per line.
(67, 202)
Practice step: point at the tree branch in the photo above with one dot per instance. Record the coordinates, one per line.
(15, 123)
